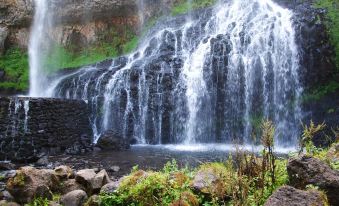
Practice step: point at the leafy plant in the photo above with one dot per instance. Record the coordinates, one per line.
(39, 202)
(308, 134)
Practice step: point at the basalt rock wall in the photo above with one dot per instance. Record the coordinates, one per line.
(32, 127)
(74, 19)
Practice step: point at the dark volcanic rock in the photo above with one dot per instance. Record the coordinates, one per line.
(31, 128)
(110, 140)
(290, 196)
(305, 170)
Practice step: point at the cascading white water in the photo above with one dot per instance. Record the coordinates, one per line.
(209, 77)
(261, 38)
(26, 108)
(37, 45)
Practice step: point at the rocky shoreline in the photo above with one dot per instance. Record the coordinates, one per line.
(86, 186)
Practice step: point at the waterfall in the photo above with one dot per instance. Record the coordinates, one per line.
(37, 48)
(210, 77)
(18, 115)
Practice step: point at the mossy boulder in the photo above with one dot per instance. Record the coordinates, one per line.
(212, 180)
(64, 172)
(29, 183)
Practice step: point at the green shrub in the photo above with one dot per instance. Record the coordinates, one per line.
(15, 64)
(332, 7)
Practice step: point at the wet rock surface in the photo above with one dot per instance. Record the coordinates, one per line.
(31, 129)
(111, 141)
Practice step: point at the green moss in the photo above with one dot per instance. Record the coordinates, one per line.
(18, 180)
(110, 44)
(131, 45)
(184, 6)
(15, 64)
(332, 7)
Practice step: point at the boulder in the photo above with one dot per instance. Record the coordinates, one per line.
(210, 182)
(64, 172)
(92, 181)
(74, 198)
(291, 196)
(110, 187)
(5, 195)
(70, 185)
(30, 182)
(112, 141)
(304, 170)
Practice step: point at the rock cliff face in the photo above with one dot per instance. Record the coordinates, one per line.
(75, 19)
(32, 127)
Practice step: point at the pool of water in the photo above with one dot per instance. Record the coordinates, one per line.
(155, 156)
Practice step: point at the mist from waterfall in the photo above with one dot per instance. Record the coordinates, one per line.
(207, 78)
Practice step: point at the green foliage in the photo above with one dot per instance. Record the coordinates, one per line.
(15, 64)
(39, 202)
(321, 91)
(244, 179)
(110, 44)
(184, 6)
(332, 7)
(308, 134)
(152, 188)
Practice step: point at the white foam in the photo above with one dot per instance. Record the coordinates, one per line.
(214, 148)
